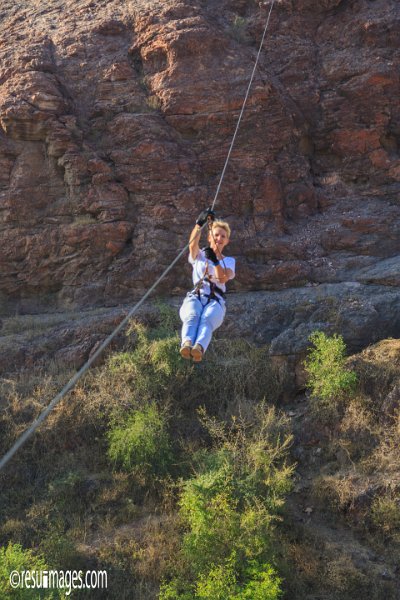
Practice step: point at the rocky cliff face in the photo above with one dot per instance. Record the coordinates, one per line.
(116, 117)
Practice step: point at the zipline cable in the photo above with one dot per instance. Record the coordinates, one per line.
(243, 105)
(72, 382)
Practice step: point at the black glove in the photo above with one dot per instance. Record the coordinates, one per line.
(202, 218)
(210, 255)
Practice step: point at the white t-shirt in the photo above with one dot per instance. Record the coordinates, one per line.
(199, 269)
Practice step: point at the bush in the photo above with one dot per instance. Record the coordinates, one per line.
(15, 558)
(154, 369)
(141, 443)
(328, 378)
(263, 584)
(221, 583)
(228, 510)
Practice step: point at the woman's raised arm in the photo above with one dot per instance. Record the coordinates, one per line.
(194, 241)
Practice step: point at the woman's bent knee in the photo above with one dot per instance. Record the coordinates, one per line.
(189, 310)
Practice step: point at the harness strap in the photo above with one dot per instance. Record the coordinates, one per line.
(214, 290)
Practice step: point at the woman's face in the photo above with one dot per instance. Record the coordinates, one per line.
(218, 239)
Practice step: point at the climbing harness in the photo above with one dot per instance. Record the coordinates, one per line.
(72, 382)
(214, 289)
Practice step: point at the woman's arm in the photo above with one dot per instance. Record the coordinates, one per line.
(223, 275)
(194, 242)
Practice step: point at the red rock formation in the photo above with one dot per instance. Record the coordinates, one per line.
(116, 118)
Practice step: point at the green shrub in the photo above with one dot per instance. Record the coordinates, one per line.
(263, 584)
(228, 510)
(141, 443)
(174, 591)
(257, 448)
(154, 368)
(209, 509)
(328, 378)
(221, 583)
(15, 558)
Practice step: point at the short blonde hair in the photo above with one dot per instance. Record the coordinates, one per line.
(223, 225)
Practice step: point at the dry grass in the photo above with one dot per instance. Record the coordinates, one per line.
(158, 541)
(316, 564)
(377, 367)
(356, 433)
(31, 325)
(84, 220)
(62, 494)
(335, 491)
(361, 484)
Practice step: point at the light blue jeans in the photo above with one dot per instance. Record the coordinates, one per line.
(200, 319)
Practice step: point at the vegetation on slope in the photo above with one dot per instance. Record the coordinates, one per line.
(161, 471)
(179, 479)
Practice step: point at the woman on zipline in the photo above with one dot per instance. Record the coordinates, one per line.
(203, 309)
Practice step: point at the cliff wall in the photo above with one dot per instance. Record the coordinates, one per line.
(116, 118)
(115, 123)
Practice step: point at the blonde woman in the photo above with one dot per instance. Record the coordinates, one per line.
(203, 309)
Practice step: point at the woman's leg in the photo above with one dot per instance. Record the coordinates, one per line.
(211, 318)
(190, 313)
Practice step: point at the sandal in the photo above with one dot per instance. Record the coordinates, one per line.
(197, 353)
(186, 350)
